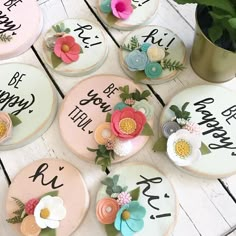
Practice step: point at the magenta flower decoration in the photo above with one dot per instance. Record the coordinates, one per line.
(121, 8)
(67, 49)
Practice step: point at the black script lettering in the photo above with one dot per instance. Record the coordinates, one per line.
(230, 113)
(16, 79)
(40, 173)
(93, 98)
(110, 90)
(152, 217)
(11, 3)
(148, 183)
(6, 24)
(6, 99)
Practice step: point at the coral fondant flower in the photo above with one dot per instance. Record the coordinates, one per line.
(30, 206)
(127, 123)
(155, 53)
(103, 133)
(136, 60)
(106, 210)
(129, 218)
(183, 147)
(105, 6)
(67, 49)
(122, 147)
(124, 198)
(192, 127)
(29, 226)
(144, 107)
(49, 212)
(5, 127)
(121, 8)
(153, 70)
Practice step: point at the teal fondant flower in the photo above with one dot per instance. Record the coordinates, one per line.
(144, 107)
(153, 70)
(120, 106)
(145, 46)
(136, 60)
(129, 219)
(105, 6)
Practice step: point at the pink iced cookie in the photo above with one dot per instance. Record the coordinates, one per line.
(49, 175)
(18, 30)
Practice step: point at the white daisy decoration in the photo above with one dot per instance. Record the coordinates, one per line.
(183, 147)
(49, 212)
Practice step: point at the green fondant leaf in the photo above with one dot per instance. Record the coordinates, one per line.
(109, 191)
(135, 194)
(56, 61)
(48, 232)
(108, 117)
(19, 203)
(117, 189)
(111, 230)
(67, 30)
(111, 19)
(160, 145)
(139, 76)
(52, 194)
(108, 182)
(115, 179)
(185, 106)
(147, 130)
(133, 6)
(15, 120)
(81, 50)
(204, 149)
(91, 149)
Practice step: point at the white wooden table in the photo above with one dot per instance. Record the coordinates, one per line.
(206, 207)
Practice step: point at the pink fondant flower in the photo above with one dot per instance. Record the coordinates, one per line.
(192, 127)
(67, 49)
(127, 123)
(30, 206)
(5, 126)
(121, 8)
(124, 198)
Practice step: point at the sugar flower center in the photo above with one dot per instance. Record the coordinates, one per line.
(3, 128)
(120, 6)
(44, 213)
(65, 48)
(182, 148)
(125, 215)
(127, 125)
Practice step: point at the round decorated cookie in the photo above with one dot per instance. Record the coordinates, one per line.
(126, 14)
(152, 55)
(39, 200)
(138, 203)
(106, 117)
(200, 130)
(75, 47)
(18, 31)
(28, 104)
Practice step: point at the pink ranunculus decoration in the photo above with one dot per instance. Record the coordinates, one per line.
(5, 127)
(127, 123)
(121, 8)
(67, 49)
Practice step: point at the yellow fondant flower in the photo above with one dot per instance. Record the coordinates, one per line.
(103, 133)
(155, 53)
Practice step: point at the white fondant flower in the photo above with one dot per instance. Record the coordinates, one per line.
(122, 147)
(49, 212)
(144, 107)
(183, 147)
(181, 121)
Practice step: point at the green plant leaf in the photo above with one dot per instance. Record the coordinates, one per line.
(215, 32)
(81, 50)
(160, 145)
(108, 182)
(48, 232)
(147, 130)
(232, 22)
(204, 149)
(111, 230)
(139, 76)
(52, 194)
(56, 61)
(111, 19)
(15, 120)
(135, 194)
(115, 179)
(108, 117)
(185, 106)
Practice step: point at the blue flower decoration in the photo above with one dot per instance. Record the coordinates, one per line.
(145, 46)
(153, 70)
(120, 106)
(136, 60)
(129, 219)
(105, 6)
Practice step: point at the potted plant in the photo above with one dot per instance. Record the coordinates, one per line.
(213, 54)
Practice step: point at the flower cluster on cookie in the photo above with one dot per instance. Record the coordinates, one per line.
(7, 122)
(63, 47)
(120, 211)
(128, 121)
(149, 59)
(120, 9)
(39, 214)
(181, 138)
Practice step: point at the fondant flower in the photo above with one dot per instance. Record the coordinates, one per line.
(181, 121)
(30, 206)
(155, 53)
(192, 127)
(129, 218)
(49, 212)
(67, 49)
(183, 147)
(127, 123)
(29, 226)
(121, 9)
(169, 128)
(153, 70)
(136, 60)
(105, 6)
(120, 106)
(145, 46)
(5, 127)
(110, 144)
(124, 198)
(144, 107)
(129, 101)
(106, 210)
(122, 147)
(102, 133)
